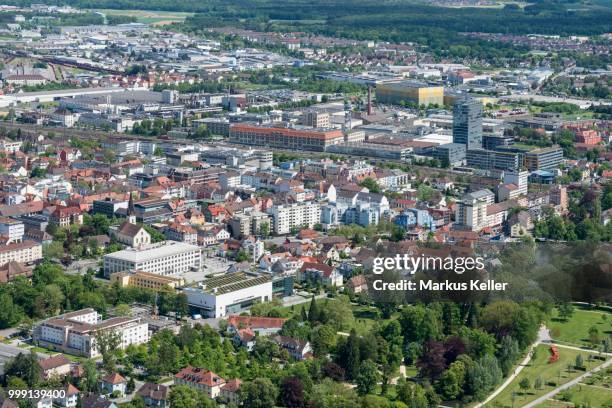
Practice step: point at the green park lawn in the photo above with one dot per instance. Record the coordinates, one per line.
(365, 317)
(552, 375)
(586, 396)
(575, 330)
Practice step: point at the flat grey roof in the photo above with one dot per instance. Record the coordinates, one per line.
(154, 251)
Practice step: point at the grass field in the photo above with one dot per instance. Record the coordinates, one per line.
(576, 329)
(365, 318)
(150, 17)
(586, 396)
(552, 375)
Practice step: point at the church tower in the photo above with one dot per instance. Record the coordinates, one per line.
(131, 213)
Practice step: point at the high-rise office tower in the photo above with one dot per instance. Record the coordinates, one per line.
(467, 123)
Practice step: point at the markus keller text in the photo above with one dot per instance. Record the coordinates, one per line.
(475, 284)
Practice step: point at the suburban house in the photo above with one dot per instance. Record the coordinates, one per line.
(113, 384)
(70, 398)
(298, 349)
(154, 395)
(57, 366)
(317, 271)
(200, 379)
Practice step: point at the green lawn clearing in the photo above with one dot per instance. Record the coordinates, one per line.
(551, 374)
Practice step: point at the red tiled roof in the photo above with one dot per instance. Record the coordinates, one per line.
(54, 362)
(232, 385)
(326, 269)
(71, 390)
(256, 322)
(200, 376)
(114, 378)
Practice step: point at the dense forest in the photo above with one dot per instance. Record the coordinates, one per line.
(397, 21)
(391, 20)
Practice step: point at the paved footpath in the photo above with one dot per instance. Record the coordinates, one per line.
(567, 385)
(543, 336)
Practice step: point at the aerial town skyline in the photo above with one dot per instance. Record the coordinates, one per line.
(243, 204)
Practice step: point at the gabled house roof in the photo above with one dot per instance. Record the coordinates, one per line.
(200, 376)
(153, 391)
(129, 229)
(55, 361)
(255, 322)
(114, 378)
(325, 269)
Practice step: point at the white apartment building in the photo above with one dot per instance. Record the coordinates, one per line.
(519, 178)
(296, 215)
(229, 179)
(26, 252)
(10, 146)
(75, 332)
(228, 294)
(472, 210)
(164, 258)
(11, 229)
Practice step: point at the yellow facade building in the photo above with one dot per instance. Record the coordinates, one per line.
(146, 280)
(410, 92)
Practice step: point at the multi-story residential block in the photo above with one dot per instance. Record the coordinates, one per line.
(75, 332)
(392, 179)
(25, 252)
(519, 178)
(471, 211)
(242, 225)
(515, 185)
(12, 230)
(165, 258)
(181, 233)
(229, 179)
(297, 215)
(285, 138)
